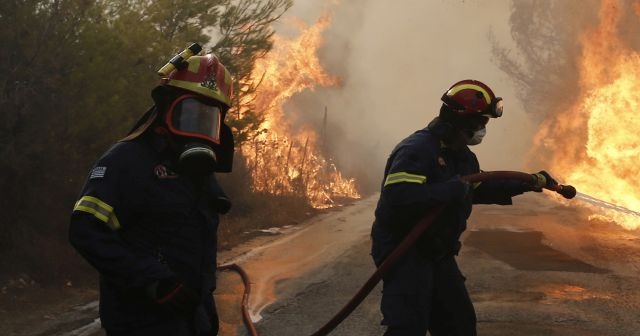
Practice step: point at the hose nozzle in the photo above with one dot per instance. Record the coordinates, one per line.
(566, 191)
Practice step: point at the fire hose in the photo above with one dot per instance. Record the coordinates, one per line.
(566, 191)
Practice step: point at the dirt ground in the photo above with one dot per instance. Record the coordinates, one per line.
(535, 268)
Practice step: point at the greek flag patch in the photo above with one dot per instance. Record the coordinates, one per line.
(97, 173)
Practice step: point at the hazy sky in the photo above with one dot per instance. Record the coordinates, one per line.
(396, 58)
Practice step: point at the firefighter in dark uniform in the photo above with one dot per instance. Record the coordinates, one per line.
(147, 216)
(425, 290)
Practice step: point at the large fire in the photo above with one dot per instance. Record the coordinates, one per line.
(595, 145)
(284, 160)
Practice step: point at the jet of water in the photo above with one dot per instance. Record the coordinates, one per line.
(604, 204)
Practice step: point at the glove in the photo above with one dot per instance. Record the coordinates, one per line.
(174, 296)
(542, 179)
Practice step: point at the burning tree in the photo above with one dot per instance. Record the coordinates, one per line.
(246, 36)
(582, 83)
(281, 158)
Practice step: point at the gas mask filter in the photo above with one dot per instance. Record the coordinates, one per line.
(196, 159)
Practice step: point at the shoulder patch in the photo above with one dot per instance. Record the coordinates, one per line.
(98, 172)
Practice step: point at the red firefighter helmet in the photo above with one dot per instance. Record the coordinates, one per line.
(472, 98)
(202, 75)
(200, 111)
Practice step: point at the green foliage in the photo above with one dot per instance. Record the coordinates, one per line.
(74, 77)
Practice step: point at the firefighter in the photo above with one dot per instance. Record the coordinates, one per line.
(425, 290)
(147, 216)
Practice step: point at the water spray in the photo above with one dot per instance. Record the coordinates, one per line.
(604, 204)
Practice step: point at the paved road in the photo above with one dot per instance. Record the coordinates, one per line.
(535, 268)
(304, 277)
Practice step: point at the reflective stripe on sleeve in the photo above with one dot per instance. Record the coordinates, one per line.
(404, 177)
(99, 209)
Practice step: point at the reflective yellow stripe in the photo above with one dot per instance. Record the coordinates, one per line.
(476, 184)
(404, 177)
(461, 87)
(99, 209)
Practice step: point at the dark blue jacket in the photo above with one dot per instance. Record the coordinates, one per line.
(420, 173)
(136, 222)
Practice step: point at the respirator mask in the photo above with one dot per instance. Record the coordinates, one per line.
(477, 136)
(196, 126)
(474, 129)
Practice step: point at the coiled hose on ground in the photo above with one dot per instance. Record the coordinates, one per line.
(565, 190)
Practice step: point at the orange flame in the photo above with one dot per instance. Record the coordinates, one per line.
(595, 144)
(284, 160)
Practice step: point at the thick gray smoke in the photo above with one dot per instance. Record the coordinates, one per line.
(396, 58)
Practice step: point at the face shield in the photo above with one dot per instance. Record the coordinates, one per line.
(190, 117)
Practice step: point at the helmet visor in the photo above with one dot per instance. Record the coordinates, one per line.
(191, 117)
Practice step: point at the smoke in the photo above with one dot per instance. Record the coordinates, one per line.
(395, 60)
